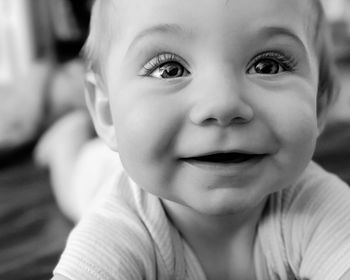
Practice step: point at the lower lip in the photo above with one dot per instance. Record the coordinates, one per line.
(226, 169)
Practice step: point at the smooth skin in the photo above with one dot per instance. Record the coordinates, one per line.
(220, 103)
(182, 83)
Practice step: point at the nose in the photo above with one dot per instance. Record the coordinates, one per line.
(222, 102)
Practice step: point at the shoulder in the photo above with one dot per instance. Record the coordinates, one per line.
(314, 211)
(315, 194)
(315, 189)
(113, 222)
(319, 201)
(110, 240)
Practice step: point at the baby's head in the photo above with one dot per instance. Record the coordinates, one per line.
(210, 104)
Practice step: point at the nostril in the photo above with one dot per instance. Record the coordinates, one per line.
(232, 121)
(210, 121)
(224, 122)
(239, 120)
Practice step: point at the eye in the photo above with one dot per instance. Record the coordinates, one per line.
(165, 66)
(169, 70)
(271, 63)
(266, 67)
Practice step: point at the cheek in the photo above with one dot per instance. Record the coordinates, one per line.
(299, 134)
(301, 118)
(146, 133)
(146, 126)
(296, 125)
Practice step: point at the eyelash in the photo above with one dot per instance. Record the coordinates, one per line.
(160, 59)
(287, 62)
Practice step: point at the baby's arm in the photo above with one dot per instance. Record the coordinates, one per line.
(58, 150)
(109, 242)
(79, 163)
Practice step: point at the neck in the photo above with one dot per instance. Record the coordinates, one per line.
(217, 227)
(224, 245)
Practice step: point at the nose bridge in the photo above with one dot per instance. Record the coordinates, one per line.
(221, 99)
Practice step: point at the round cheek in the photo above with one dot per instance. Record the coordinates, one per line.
(147, 123)
(292, 109)
(297, 131)
(146, 130)
(299, 139)
(290, 115)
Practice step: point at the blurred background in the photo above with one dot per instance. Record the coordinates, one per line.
(41, 79)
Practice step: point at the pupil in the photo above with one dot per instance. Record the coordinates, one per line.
(266, 67)
(173, 70)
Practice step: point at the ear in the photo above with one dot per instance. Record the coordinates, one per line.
(323, 104)
(98, 104)
(321, 121)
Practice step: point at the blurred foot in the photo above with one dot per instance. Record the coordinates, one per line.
(68, 134)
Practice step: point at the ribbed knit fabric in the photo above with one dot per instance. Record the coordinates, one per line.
(305, 230)
(304, 233)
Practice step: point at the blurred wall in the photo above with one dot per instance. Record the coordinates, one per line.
(16, 40)
(23, 76)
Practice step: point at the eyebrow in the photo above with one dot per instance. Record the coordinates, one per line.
(164, 29)
(271, 31)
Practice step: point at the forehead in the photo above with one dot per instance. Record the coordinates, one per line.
(208, 23)
(209, 14)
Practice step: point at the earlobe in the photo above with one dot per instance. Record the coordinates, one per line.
(322, 114)
(321, 123)
(98, 104)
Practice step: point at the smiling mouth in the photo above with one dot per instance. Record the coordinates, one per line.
(225, 158)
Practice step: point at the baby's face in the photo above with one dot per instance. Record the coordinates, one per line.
(214, 102)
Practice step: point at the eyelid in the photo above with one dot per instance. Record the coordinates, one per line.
(287, 61)
(159, 59)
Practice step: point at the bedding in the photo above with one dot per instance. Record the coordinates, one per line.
(32, 229)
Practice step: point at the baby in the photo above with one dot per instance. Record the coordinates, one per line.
(214, 109)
